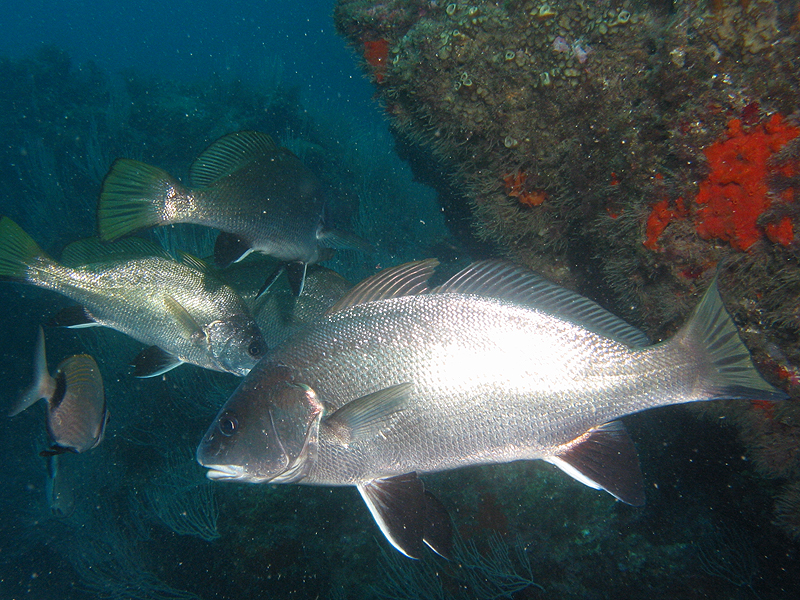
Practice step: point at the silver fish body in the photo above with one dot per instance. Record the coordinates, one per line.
(391, 384)
(178, 307)
(261, 196)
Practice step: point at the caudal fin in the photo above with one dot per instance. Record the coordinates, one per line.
(711, 336)
(17, 250)
(43, 384)
(134, 196)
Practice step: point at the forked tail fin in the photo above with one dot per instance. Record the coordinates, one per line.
(18, 251)
(134, 196)
(729, 373)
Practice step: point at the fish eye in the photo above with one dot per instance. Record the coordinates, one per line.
(228, 424)
(255, 350)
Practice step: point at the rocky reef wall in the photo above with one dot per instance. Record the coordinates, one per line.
(625, 148)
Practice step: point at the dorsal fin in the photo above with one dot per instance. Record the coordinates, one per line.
(507, 281)
(408, 279)
(228, 154)
(92, 250)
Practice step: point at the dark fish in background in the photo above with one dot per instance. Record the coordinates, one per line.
(261, 196)
(76, 402)
(58, 489)
(279, 313)
(495, 365)
(180, 308)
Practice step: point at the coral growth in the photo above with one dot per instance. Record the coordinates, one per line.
(376, 53)
(736, 192)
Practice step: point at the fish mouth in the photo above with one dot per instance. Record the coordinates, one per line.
(224, 472)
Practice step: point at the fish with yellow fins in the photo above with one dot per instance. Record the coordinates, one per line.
(180, 309)
(76, 402)
(259, 195)
(494, 365)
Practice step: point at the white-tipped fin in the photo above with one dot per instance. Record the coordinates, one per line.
(604, 458)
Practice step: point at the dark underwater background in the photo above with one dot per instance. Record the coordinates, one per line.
(82, 83)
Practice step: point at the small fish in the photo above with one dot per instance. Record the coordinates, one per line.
(76, 402)
(261, 196)
(179, 308)
(495, 365)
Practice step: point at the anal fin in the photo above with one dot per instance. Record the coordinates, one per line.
(604, 458)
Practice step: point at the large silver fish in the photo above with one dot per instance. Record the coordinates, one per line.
(261, 196)
(493, 366)
(179, 308)
(76, 401)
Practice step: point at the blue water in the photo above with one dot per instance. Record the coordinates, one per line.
(82, 83)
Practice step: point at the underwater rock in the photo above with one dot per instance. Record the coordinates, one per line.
(622, 148)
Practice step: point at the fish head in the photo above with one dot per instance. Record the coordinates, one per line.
(267, 431)
(235, 343)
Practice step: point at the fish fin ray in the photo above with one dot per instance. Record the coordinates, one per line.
(18, 251)
(438, 528)
(368, 415)
(153, 361)
(191, 261)
(73, 317)
(408, 279)
(43, 384)
(398, 506)
(228, 154)
(133, 197)
(270, 280)
(296, 274)
(229, 249)
(507, 281)
(93, 250)
(711, 334)
(343, 240)
(604, 458)
(190, 327)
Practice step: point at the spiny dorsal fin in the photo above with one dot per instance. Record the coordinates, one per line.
(92, 250)
(407, 279)
(604, 458)
(228, 154)
(507, 281)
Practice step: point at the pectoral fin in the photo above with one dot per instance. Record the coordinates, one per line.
(366, 417)
(153, 361)
(408, 515)
(604, 458)
(191, 328)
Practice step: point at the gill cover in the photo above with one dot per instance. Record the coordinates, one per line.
(267, 431)
(235, 343)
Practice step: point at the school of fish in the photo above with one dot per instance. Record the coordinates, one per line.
(368, 387)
